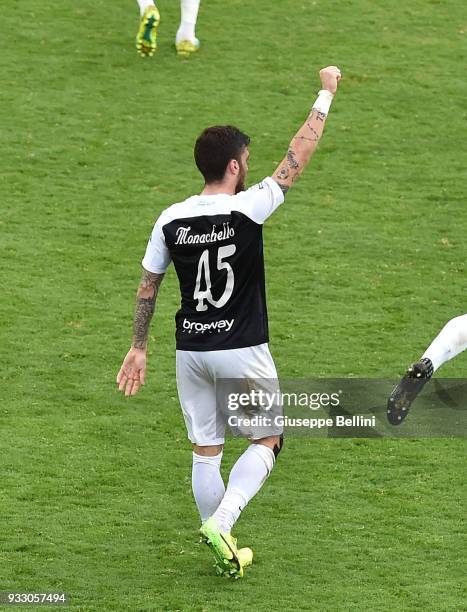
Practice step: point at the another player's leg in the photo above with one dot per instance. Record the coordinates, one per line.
(404, 393)
(186, 42)
(146, 37)
(451, 341)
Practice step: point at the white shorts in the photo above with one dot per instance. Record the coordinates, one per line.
(197, 373)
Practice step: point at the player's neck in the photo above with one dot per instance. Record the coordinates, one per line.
(219, 188)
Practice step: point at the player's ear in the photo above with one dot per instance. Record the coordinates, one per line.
(234, 166)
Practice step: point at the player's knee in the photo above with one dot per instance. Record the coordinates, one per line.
(278, 446)
(208, 451)
(274, 443)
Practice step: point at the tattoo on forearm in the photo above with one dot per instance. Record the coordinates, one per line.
(314, 134)
(292, 160)
(314, 139)
(291, 164)
(145, 305)
(319, 115)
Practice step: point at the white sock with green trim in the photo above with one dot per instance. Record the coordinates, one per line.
(246, 479)
(189, 15)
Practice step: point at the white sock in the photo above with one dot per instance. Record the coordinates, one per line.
(143, 5)
(245, 480)
(451, 341)
(207, 484)
(189, 14)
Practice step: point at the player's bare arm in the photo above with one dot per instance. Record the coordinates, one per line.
(305, 141)
(132, 373)
(145, 306)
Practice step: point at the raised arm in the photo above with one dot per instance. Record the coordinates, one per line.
(306, 140)
(132, 373)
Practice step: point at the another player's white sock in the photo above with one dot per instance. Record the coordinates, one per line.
(143, 5)
(451, 341)
(189, 14)
(208, 486)
(245, 480)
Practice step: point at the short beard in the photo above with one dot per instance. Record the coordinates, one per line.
(240, 186)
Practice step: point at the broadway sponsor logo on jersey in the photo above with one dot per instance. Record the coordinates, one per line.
(222, 325)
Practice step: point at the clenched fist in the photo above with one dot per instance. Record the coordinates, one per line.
(330, 77)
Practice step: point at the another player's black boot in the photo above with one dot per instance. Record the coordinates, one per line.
(407, 390)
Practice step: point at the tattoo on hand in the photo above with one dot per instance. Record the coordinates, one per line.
(145, 305)
(283, 173)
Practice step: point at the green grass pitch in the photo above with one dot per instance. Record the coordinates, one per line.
(365, 262)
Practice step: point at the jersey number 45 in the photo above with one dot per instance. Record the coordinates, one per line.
(205, 295)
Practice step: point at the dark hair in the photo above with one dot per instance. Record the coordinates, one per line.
(215, 147)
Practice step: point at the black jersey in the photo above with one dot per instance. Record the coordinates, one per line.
(216, 245)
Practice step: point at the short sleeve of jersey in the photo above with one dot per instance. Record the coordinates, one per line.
(261, 200)
(157, 257)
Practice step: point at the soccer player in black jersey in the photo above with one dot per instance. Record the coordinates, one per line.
(215, 242)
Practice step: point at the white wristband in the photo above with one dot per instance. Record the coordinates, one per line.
(323, 101)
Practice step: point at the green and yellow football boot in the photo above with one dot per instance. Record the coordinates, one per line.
(146, 38)
(185, 48)
(224, 548)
